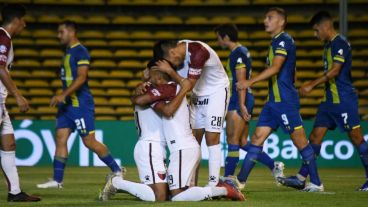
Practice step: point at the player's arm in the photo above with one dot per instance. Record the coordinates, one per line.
(165, 67)
(333, 72)
(241, 76)
(154, 94)
(168, 109)
(76, 84)
(275, 68)
(12, 88)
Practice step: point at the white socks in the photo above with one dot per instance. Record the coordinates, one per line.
(141, 191)
(10, 171)
(214, 164)
(199, 193)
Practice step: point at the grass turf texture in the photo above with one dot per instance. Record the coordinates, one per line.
(82, 186)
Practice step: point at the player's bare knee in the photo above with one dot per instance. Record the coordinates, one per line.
(257, 139)
(8, 146)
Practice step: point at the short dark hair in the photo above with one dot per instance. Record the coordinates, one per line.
(320, 17)
(153, 62)
(279, 11)
(227, 29)
(161, 48)
(70, 24)
(11, 11)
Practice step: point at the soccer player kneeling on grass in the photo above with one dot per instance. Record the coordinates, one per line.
(168, 99)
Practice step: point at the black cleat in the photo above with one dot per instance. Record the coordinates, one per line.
(22, 197)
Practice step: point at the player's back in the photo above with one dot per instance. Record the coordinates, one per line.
(281, 86)
(212, 75)
(148, 124)
(177, 129)
(340, 87)
(76, 56)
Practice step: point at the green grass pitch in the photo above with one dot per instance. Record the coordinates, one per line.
(81, 187)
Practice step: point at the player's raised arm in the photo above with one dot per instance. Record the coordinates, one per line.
(168, 109)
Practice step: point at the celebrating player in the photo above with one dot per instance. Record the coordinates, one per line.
(210, 93)
(75, 106)
(239, 67)
(339, 107)
(282, 108)
(149, 156)
(184, 149)
(13, 24)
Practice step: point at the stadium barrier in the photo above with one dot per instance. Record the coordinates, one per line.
(36, 145)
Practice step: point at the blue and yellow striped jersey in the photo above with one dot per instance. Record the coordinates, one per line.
(281, 86)
(238, 58)
(338, 50)
(75, 56)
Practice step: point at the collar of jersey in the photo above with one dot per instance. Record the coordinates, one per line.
(276, 36)
(6, 32)
(237, 45)
(75, 45)
(334, 37)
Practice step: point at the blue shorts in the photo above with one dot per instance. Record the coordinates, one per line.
(286, 116)
(345, 116)
(234, 104)
(80, 118)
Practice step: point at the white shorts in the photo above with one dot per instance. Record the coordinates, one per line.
(5, 123)
(150, 158)
(208, 112)
(182, 167)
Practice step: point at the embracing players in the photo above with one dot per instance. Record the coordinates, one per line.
(201, 65)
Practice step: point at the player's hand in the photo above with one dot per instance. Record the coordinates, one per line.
(56, 100)
(185, 84)
(242, 85)
(244, 113)
(305, 89)
(146, 74)
(22, 103)
(142, 88)
(164, 66)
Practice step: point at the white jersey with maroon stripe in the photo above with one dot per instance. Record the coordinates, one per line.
(202, 63)
(177, 130)
(6, 58)
(148, 124)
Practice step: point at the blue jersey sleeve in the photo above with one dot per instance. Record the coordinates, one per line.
(240, 60)
(281, 46)
(83, 58)
(339, 51)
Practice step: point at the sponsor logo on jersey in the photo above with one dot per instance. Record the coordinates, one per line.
(147, 178)
(161, 175)
(3, 58)
(200, 102)
(341, 51)
(282, 44)
(239, 60)
(193, 71)
(155, 92)
(3, 49)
